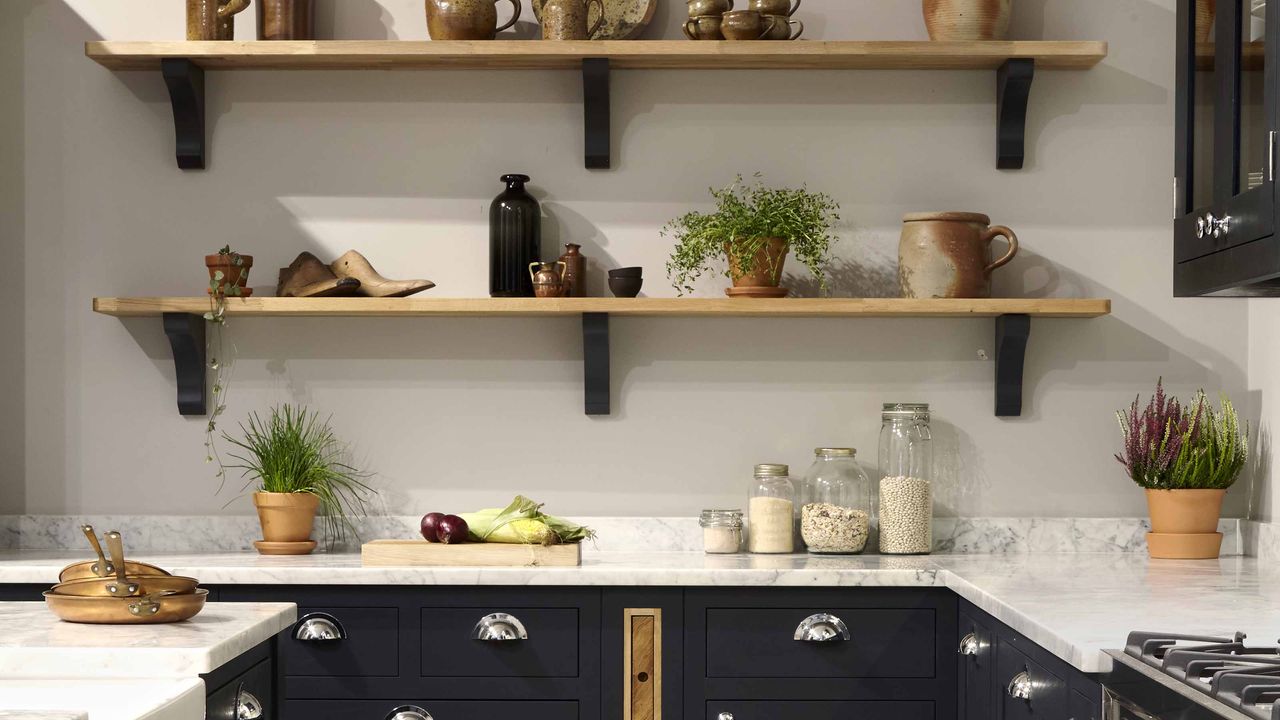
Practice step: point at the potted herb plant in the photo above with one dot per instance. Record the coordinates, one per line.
(229, 273)
(1185, 458)
(753, 229)
(295, 460)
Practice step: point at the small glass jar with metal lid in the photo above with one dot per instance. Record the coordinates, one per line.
(771, 510)
(836, 516)
(721, 531)
(906, 480)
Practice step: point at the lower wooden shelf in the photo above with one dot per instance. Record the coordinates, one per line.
(183, 325)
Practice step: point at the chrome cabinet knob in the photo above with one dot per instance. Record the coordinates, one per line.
(1202, 228)
(409, 712)
(499, 627)
(1020, 686)
(248, 706)
(1221, 226)
(969, 644)
(319, 628)
(822, 627)
(724, 716)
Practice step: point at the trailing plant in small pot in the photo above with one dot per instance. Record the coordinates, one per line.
(229, 273)
(1186, 458)
(753, 229)
(295, 460)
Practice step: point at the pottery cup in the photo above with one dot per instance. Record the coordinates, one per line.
(967, 20)
(466, 19)
(627, 272)
(746, 25)
(625, 287)
(774, 7)
(948, 255)
(699, 8)
(706, 27)
(781, 28)
(286, 19)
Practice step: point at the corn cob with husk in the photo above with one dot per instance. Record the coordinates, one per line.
(523, 523)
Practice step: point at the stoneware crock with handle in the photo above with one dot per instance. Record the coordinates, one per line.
(467, 19)
(567, 19)
(948, 254)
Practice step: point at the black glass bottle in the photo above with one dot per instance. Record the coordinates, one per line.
(515, 239)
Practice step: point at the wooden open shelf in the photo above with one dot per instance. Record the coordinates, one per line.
(183, 64)
(185, 326)
(1252, 56)
(623, 307)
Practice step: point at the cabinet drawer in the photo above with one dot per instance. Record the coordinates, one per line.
(221, 703)
(449, 650)
(809, 710)
(1083, 707)
(440, 710)
(1048, 699)
(760, 643)
(369, 646)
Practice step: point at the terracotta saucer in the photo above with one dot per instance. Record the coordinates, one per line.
(757, 292)
(285, 548)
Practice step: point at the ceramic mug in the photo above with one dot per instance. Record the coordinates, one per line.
(774, 7)
(948, 255)
(746, 25)
(213, 19)
(781, 29)
(567, 19)
(706, 27)
(699, 8)
(466, 19)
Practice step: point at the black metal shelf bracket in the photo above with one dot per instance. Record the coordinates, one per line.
(595, 362)
(595, 111)
(185, 80)
(1013, 90)
(186, 339)
(1012, 332)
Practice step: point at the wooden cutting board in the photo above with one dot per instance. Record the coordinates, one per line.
(420, 553)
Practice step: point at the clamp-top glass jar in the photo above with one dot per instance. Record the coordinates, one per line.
(906, 480)
(836, 515)
(721, 531)
(771, 511)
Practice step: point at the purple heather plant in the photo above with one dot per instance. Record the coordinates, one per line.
(1154, 438)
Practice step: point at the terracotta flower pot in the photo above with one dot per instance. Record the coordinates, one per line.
(768, 258)
(286, 517)
(967, 20)
(1184, 523)
(232, 275)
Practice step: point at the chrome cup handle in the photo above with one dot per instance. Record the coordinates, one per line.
(248, 706)
(969, 644)
(499, 627)
(821, 628)
(1020, 686)
(319, 628)
(409, 712)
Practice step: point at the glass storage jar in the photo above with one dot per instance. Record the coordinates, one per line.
(771, 511)
(721, 531)
(836, 515)
(906, 480)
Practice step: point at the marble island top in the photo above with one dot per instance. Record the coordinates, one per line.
(1074, 604)
(109, 699)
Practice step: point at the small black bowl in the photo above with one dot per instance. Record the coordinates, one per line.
(627, 272)
(625, 287)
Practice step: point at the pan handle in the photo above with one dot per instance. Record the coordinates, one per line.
(149, 604)
(121, 587)
(102, 568)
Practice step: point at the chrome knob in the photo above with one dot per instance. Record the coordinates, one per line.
(1020, 686)
(248, 706)
(319, 627)
(724, 716)
(409, 712)
(822, 627)
(499, 627)
(1221, 226)
(969, 644)
(1202, 228)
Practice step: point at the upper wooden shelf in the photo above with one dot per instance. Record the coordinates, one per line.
(1252, 56)
(670, 307)
(622, 54)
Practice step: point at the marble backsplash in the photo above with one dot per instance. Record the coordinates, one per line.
(179, 534)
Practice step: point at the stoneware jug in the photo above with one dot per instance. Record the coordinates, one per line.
(567, 19)
(948, 255)
(547, 281)
(466, 19)
(967, 20)
(213, 19)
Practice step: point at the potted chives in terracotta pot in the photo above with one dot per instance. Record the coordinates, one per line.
(753, 229)
(1185, 458)
(295, 461)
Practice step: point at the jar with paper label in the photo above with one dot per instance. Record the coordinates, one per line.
(906, 480)
(771, 511)
(836, 515)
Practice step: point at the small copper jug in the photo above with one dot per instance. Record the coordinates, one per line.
(547, 282)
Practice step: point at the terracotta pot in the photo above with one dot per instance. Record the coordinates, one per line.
(948, 255)
(232, 274)
(1184, 546)
(770, 257)
(466, 19)
(286, 517)
(1185, 511)
(967, 20)
(1205, 10)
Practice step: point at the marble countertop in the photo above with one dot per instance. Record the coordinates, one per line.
(114, 699)
(1074, 604)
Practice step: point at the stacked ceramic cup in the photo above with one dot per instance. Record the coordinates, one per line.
(761, 20)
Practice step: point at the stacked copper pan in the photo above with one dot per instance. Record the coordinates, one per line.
(120, 592)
